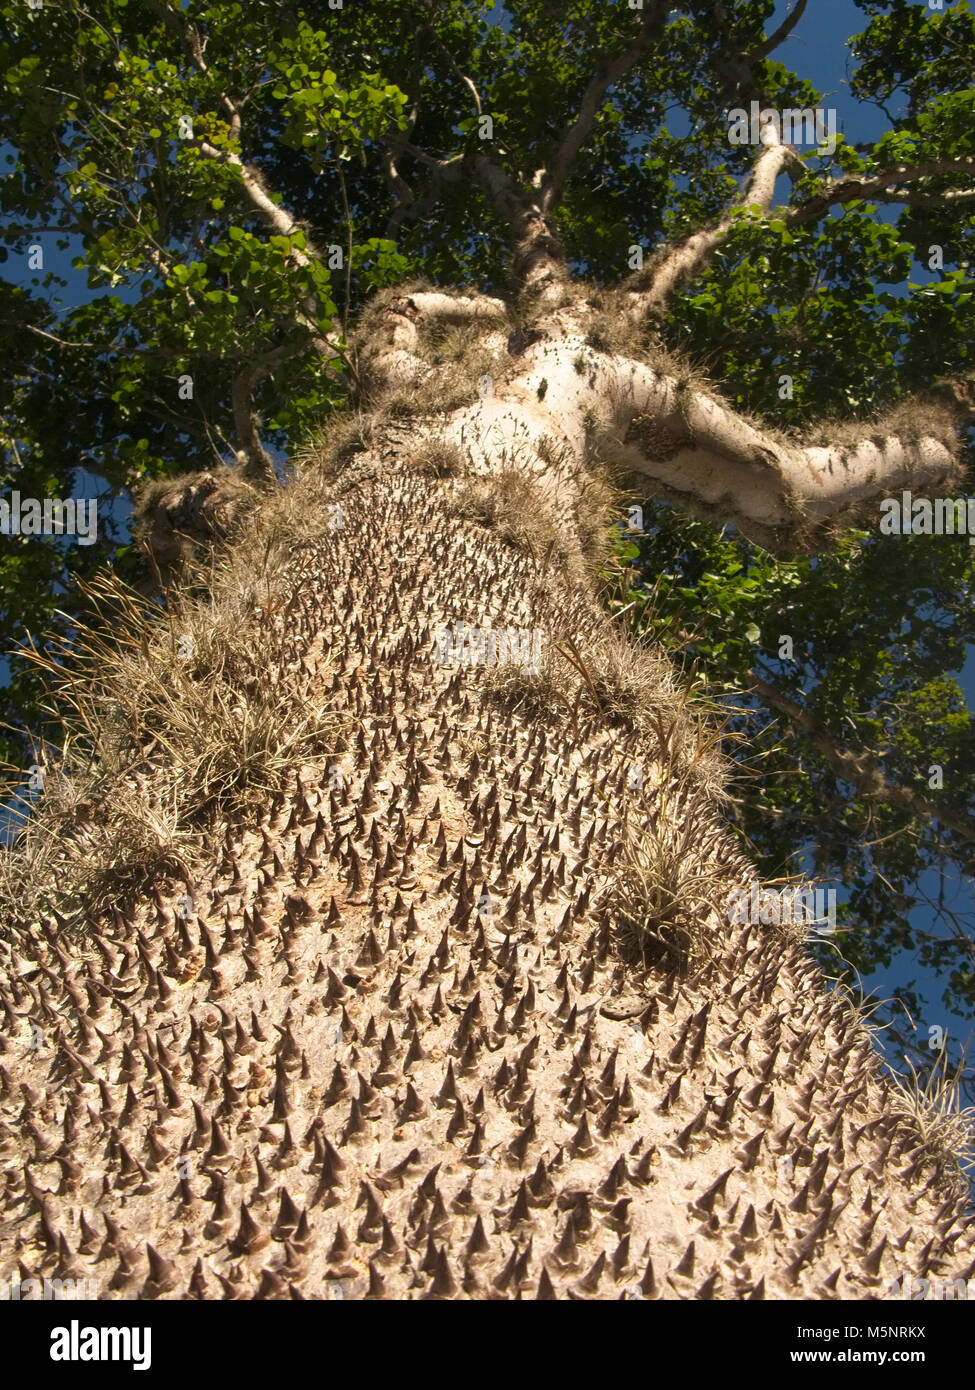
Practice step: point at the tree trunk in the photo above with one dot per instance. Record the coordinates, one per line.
(462, 1011)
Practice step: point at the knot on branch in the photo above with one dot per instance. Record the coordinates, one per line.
(657, 438)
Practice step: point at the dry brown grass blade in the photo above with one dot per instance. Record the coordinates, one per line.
(933, 1108)
(171, 719)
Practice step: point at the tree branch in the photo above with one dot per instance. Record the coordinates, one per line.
(32, 328)
(278, 219)
(926, 200)
(861, 769)
(762, 50)
(397, 185)
(689, 257)
(539, 263)
(879, 187)
(680, 263)
(450, 165)
(700, 449)
(189, 35)
(554, 177)
(348, 255)
(538, 259)
(394, 359)
(258, 465)
(283, 224)
(447, 170)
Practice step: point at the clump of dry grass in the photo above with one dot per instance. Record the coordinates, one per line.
(613, 330)
(332, 447)
(666, 893)
(450, 382)
(599, 502)
(91, 843)
(177, 518)
(513, 508)
(472, 745)
(598, 497)
(437, 458)
(518, 511)
(934, 1111)
(443, 341)
(522, 687)
(171, 717)
(203, 691)
(455, 357)
(627, 683)
(628, 679)
(909, 419)
(637, 685)
(232, 485)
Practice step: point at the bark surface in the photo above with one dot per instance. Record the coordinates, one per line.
(400, 1045)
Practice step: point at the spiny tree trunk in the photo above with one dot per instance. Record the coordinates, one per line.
(393, 1036)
